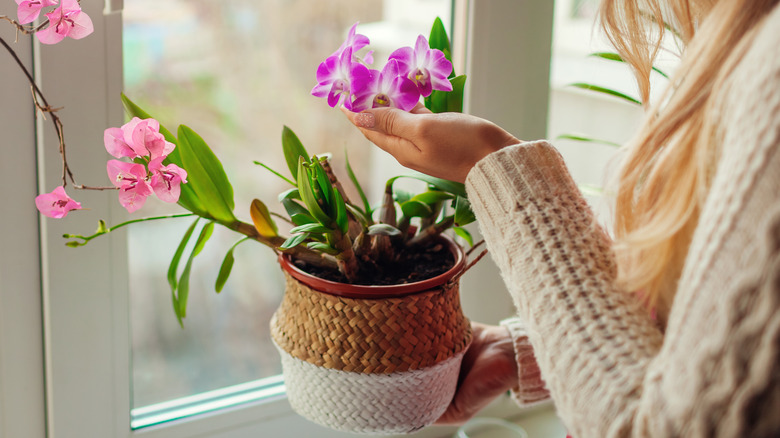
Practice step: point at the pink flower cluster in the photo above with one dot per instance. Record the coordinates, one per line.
(345, 78)
(141, 141)
(67, 20)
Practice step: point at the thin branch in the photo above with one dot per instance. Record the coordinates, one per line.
(46, 108)
(476, 245)
(27, 30)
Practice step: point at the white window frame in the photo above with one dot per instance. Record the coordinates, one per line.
(80, 296)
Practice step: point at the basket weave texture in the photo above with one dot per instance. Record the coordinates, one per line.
(371, 336)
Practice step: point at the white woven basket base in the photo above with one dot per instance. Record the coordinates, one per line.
(370, 403)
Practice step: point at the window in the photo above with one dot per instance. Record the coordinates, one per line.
(87, 306)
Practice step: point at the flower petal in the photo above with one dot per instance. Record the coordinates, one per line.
(50, 35)
(405, 58)
(28, 11)
(82, 25)
(405, 94)
(114, 140)
(166, 180)
(56, 204)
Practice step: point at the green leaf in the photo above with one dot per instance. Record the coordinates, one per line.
(293, 149)
(608, 91)
(227, 266)
(453, 187)
(302, 219)
(294, 241)
(416, 209)
(455, 97)
(187, 199)
(135, 111)
(616, 57)
(401, 196)
(359, 215)
(463, 213)
(322, 247)
(275, 172)
(342, 221)
(383, 230)
(323, 182)
(311, 228)
(174, 266)
(578, 137)
(438, 38)
(294, 208)
(307, 195)
(183, 291)
(464, 234)
(262, 220)
(356, 183)
(289, 194)
(432, 197)
(207, 176)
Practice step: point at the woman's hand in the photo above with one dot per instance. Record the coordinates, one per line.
(489, 369)
(445, 145)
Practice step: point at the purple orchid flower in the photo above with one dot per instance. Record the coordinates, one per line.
(335, 76)
(354, 40)
(66, 20)
(388, 88)
(427, 68)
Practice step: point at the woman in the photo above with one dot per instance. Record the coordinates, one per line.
(697, 236)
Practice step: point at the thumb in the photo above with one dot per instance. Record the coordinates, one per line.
(390, 121)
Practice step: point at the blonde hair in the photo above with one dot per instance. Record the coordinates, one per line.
(666, 174)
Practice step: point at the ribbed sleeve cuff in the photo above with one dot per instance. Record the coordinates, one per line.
(531, 389)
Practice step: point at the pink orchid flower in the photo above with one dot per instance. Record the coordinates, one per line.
(137, 138)
(56, 204)
(387, 88)
(167, 180)
(427, 68)
(335, 76)
(354, 40)
(66, 20)
(29, 10)
(131, 180)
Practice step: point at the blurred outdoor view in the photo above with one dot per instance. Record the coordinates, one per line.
(236, 71)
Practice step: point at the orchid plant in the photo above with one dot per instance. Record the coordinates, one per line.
(330, 232)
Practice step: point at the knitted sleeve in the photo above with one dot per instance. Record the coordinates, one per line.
(531, 388)
(610, 371)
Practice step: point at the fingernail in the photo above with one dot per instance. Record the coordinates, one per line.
(364, 120)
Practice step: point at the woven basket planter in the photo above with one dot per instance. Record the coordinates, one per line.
(371, 359)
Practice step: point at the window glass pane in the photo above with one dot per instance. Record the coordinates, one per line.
(574, 111)
(236, 71)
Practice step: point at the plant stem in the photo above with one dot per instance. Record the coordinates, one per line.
(133, 221)
(299, 252)
(434, 230)
(58, 128)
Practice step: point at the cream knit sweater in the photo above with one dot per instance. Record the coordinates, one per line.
(611, 372)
